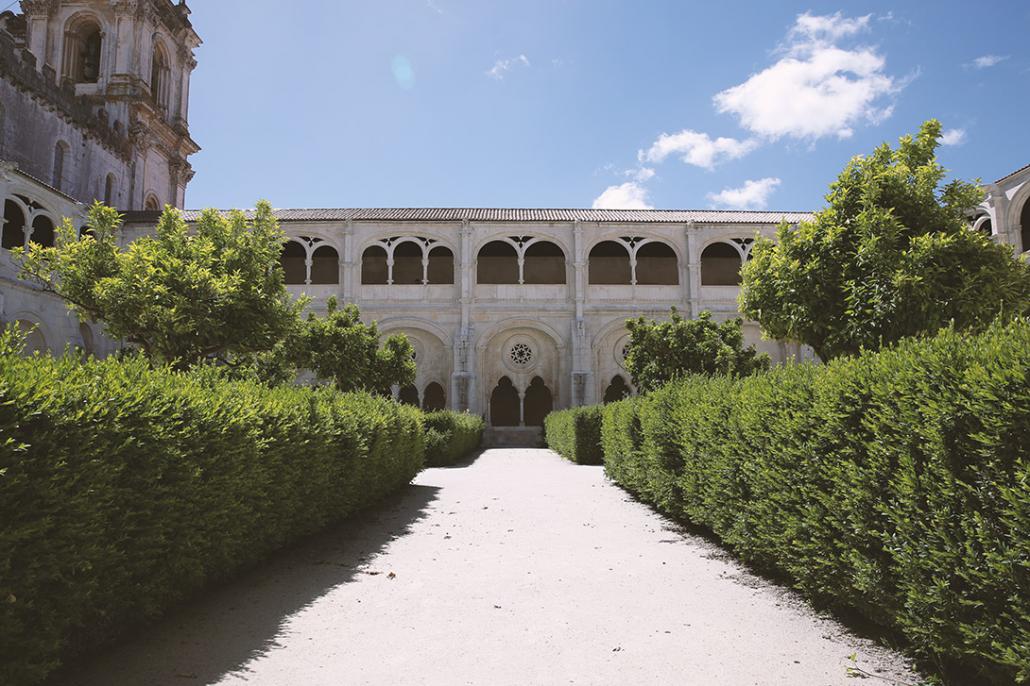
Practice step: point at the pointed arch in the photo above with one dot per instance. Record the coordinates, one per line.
(504, 404)
(433, 398)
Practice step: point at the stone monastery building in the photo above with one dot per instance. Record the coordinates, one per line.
(512, 312)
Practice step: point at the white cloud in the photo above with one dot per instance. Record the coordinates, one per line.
(627, 196)
(502, 66)
(752, 195)
(817, 88)
(985, 61)
(953, 137)
(640, 174)
(696, 148)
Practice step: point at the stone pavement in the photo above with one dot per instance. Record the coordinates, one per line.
(520, 568)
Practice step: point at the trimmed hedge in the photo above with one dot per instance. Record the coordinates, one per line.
(895, 484)
(451, 436)
(123, 489)
(575, 434)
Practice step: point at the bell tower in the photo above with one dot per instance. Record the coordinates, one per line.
(128, 62)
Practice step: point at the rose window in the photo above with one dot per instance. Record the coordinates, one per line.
(521, 354)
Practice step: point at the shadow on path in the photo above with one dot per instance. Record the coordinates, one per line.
(228, 626)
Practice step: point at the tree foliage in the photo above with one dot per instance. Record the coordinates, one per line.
(660, 352)
(340, 348)
(183, 294)
(891, 256)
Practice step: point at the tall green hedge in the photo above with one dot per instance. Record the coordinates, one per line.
(894, 484)
(123, 489)
(575, 434)
(451, 436)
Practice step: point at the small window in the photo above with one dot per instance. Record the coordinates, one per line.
(720, 265)
(60, 153)
(109, 190)
(160, 75)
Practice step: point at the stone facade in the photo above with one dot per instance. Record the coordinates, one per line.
(511, 312)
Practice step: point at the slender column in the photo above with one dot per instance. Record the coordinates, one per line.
(693, 271)
(522, 408)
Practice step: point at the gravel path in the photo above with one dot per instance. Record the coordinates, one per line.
(518, 569)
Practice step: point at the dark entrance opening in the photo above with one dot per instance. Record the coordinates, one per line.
(433, 398)
(504, 404)
(617, 390)
(408, 396)
(538, 403)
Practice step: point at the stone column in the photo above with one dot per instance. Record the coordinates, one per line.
(693, 272)
(347, 264)
(582, 362)
(463, 386)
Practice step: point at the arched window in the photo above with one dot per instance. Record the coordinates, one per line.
(293, 260)
(1024, 221)
(325, 265)
(35, 341)
(160, 76)
(441, 265)
(152, 204)
(609, 264)
(498, 262)
(109, 190)
(538, 403)
(60, 153)
(408, 396)
(433, 399)
(407, 263)
(617, 390)
(14, 226)
(83, 47)
(544, 263)
(720, 265)
(42, 231)
(657, 265)
(504, 404)
(373, 265)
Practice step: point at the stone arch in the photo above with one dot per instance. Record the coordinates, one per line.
(655, 263)
(152, 203)
(42, 231)
(325, 265)
(440, 270)
(294, 262)
(1016, 217)
(374, 268)
(497, 262)
(720, 264)
(83, 51)
(520, 349)
(608, 359)
(433, 359)
(433, 397)
(36, 335)
(984, 225)
(15, 218)
(544, 262)
(608, 263)
(537, 403)
(408, 396)
(408, 262)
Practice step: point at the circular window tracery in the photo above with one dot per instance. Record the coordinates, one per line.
(621, 350)
(521, 354)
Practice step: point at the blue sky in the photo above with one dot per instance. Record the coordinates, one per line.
(574, 103)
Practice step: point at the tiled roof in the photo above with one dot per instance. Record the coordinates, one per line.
(492, 214)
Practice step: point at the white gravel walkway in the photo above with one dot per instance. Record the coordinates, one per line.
(518, 569)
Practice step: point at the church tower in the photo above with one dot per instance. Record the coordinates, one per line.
(96, 94)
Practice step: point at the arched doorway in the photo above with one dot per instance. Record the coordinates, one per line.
(538, 402)
(433, 399)
(616, 391)
(504, 404)
(408, 396)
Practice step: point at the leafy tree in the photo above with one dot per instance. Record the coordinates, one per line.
(340, 348)
(184, 294)
(660, 352)
(891, 256)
